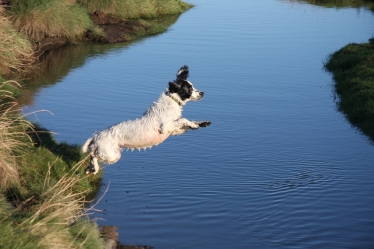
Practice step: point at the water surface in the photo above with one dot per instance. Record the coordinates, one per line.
(278, 168)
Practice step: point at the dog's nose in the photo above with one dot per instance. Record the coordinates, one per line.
(201, 94)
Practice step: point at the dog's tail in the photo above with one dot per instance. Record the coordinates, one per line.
(86, 145)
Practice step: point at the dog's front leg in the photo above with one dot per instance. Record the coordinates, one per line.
(182, 125)
(185, 123)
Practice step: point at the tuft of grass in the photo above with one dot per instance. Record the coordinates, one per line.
(39, 19)
(12, 139)
(47, 157)
(15, 50)
(353, 71)
(131, 9)
(9, 89)
(57, 221)
(45, 182)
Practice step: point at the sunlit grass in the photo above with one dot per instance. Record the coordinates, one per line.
(38, 19)
(13, 137)
(45, 182)
(15, 50)
(56, 220)
(136, 9)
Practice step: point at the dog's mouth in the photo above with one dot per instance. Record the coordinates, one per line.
(197, 95)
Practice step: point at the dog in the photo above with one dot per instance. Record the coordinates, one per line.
(162, 119)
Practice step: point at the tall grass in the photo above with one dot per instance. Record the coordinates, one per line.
(353, 71)
(38, 19)
(15, 50)
(47, 186)
(12, 137)
(57, 221)
(60, 212)
(34, 163)
(136, 8)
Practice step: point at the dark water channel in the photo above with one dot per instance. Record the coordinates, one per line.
(278, 168)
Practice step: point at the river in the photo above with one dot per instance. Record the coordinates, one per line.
(279, 167)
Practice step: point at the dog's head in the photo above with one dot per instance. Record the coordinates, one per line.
(184, 89)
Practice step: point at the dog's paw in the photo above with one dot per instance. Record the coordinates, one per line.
(90, 170)
(204, 123)
(194, 125)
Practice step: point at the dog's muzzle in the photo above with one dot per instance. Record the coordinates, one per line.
(199, 96)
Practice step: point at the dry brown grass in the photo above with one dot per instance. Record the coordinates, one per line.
(12, 139)
(56, 220)
(134, 9)
(61, 207)
(15, 51)
(41, 19)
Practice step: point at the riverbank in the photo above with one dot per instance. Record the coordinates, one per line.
(44, 192)
(353, 71)
(49, 24)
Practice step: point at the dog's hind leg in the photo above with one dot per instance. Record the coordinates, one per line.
(94, 167)
(95, 164)
(108, 157)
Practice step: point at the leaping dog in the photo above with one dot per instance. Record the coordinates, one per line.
(162, 119)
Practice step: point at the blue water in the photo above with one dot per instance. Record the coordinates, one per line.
(278, 168)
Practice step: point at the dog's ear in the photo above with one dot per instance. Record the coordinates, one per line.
(183, 73)
(174, 87)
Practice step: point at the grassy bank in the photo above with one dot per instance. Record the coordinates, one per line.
(340, 3)
(43, 189)
(47, 23)
(353, 71)
(15, 50)
(131, 9)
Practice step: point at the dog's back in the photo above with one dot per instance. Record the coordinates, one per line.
(140, 133)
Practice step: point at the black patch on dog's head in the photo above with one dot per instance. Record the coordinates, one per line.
(182, 87)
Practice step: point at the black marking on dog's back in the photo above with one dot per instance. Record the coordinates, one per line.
(182, 87)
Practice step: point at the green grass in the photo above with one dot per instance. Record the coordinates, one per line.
(48, 157)
(29, 230)
(341, 3)
(15, 49)
(353, 71)
(38, 19)
(45, 182)
(131, 9)
(8, 90)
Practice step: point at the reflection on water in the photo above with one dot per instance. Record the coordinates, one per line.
(278, 168)
(54, 65)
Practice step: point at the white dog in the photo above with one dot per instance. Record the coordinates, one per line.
(163, 118)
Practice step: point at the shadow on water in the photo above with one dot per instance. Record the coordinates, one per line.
(54, 65)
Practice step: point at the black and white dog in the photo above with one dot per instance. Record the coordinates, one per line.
(162, 119)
